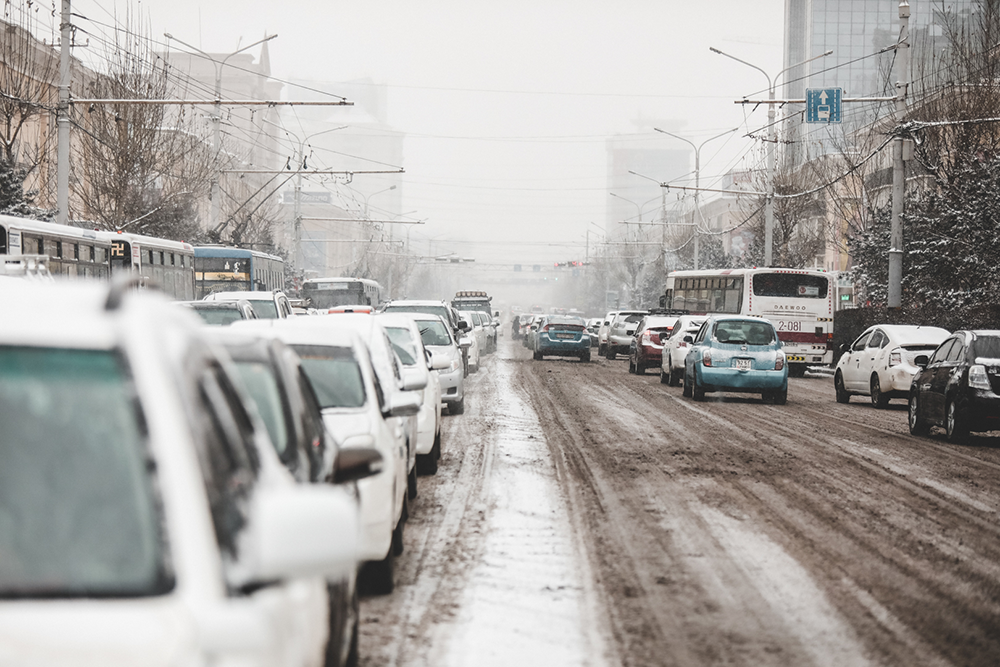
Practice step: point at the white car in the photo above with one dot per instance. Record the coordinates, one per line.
(604, 331)
(477, 336)
(267, 305)
(405, 337)
(675, 348)
(882, 361)
(359, 413)
(139, 493)
(446, 357)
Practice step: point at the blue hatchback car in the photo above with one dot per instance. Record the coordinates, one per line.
(562, 336)
(740, 354)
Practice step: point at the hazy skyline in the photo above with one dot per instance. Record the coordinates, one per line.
(507, 107)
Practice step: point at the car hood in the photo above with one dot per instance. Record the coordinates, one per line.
(96, 632)
(343, 424)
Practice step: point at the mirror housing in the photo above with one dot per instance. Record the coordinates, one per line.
(438, 362)
(403, 404)
(414, 378)
(921, 360)
(305, 530)
(463, 325)
(845, 347)
(465, 342)
(356, 463)
(688, 339)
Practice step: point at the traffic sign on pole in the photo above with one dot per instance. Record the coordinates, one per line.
(824, 105)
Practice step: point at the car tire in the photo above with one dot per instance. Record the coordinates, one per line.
(797, 370)
(686, 391)
(674, 378)
(397, 534)
(838, 386)
(585, 357)
(917, 425)
(536, 355)
(380, 575)
(778, 397)
(697, 391)
(879, 399)
(610, 354)
(631, 366)
(411, 483)
(640, 368)
(602, 350)
(664, 378)
(427, 464)
(353, 654)
(956, 426)
(457, 407)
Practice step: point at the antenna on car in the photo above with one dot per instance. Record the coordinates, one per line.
(120, 285)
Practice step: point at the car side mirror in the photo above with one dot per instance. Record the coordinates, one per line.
(414, 378)
(463, 325)
(688, 339)
(356, 463)
(921, 360)
(464, 342)
(845, 347)
(403, 404)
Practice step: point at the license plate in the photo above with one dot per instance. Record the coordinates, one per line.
(741, 364)
(561, 335)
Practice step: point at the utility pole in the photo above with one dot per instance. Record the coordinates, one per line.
(899, 144)
(62, 116)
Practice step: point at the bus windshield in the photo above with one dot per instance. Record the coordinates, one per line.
(790, 285)
(330, 295)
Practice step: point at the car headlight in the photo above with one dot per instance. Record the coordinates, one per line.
(455, 365)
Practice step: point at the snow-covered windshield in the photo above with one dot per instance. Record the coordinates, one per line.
(264, 390)
(334, 375)
(403, 344)
(433, 332)
(79, 514)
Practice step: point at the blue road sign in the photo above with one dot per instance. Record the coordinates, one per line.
(823, 105)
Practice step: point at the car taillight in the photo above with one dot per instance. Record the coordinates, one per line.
(682, 344)
(779, 363)
(646, 336)
(654, 338)
(707, 358)
(978, 378)
(895, 358)
(545, 328)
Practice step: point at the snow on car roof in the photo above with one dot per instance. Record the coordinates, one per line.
(909, 334)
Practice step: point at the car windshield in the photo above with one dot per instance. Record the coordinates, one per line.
(334, 375)
(79, 515)
(987, 347)
(433, 332)
(744, 332)
(263, 387)
(403, 344)
(219, 316)
(265, 309)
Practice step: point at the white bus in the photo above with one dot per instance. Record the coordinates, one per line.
(798, 302)
(323, 293)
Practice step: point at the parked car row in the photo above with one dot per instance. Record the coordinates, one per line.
(950, 380)
(221, 491)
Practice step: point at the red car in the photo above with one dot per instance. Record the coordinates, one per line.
(646, 349)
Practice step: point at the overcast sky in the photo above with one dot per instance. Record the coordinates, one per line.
(507, 105)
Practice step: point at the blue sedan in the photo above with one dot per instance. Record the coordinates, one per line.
(562, 336)
(740, 354)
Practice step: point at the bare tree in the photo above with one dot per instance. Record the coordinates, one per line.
(141, 167)
(28, 72)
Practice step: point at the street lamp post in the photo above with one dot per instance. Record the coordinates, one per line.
(772, 139)
(389, 280)
(697, 180)
(217, 118)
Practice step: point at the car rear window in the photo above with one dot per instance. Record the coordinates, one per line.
(334, 375)
(79, 513)
(265, 309)
(744, 331)
(219, 316)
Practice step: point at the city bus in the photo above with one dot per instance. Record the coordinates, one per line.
(324, 293)
(168, 264)
(224, 269)
(798, 302)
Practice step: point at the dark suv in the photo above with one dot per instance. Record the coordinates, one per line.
(959, 388)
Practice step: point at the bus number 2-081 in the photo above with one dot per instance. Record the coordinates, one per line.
(793, 325)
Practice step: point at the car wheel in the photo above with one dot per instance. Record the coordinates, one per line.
(427, 464)
(380, 575)
(917, 425)
(779, 397)
(397, 534)
(353, 654)
(536, 355)
(956, 427)
(631, 366)
(457, 408)
(610, 354)
(686, 391)
(411, 483)
(585, 357)
(664, 378)
(838, 386)
(640, 368)
(697, 390)
(797, 370)
(674, 378)
(879, 400)
(601, 350)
